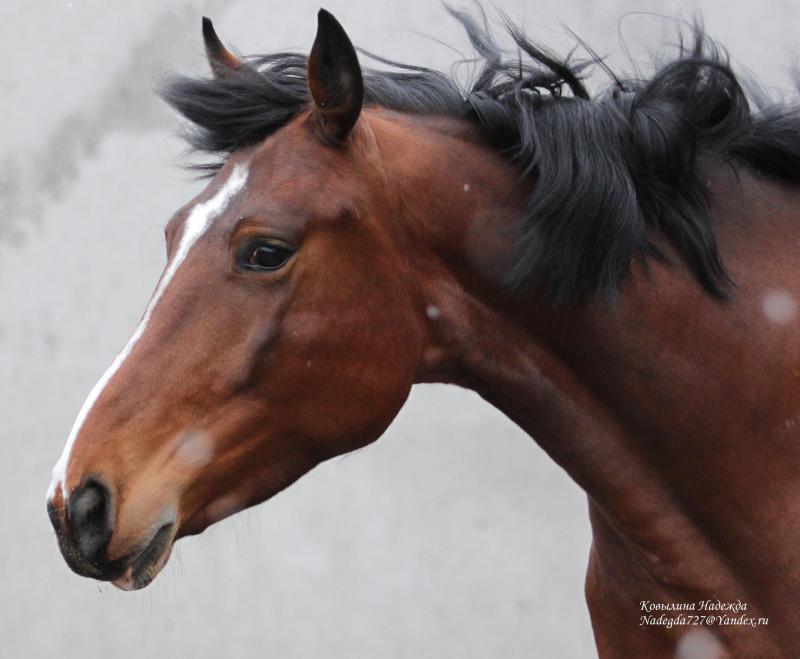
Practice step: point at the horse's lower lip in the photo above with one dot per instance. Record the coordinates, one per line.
(146, 565)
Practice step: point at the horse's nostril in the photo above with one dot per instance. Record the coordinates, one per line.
(89, 514)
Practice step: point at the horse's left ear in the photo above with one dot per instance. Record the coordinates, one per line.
(223, 62)
(334, 78)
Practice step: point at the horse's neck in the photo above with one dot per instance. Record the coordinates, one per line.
(669, 408)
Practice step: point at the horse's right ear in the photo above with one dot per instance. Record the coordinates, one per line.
(334, 78)
(223, 62)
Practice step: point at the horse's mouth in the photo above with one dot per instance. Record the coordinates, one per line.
(144, 567)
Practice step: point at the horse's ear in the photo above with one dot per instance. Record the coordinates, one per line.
(223, 62)
(334, 78)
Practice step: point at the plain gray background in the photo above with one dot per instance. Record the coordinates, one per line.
(452, 536)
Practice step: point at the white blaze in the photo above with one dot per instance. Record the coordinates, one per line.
(198, 222)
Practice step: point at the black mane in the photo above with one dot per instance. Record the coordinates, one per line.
(612, 171)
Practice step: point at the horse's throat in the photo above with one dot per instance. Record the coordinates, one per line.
(650, 544)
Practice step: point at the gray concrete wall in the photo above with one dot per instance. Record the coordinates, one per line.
(453, 536)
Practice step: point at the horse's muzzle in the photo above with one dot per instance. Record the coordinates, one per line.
(84, 528)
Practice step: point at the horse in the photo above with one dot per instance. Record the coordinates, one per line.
(617, 272)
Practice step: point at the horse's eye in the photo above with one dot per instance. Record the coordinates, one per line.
(265, 256)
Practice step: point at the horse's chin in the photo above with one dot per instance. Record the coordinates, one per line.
(149, 562)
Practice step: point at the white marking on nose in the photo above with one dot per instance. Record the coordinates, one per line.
(432, 311)
(198, 222)
(779, 306)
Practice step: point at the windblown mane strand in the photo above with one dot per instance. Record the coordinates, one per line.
(612, 171)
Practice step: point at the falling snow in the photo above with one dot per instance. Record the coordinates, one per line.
(196, 449)
(699, 644)
(779, 306)
(223, 507)
(432, 312)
